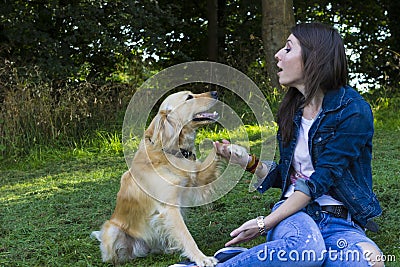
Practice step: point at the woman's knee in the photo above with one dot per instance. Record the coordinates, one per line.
(372, 254)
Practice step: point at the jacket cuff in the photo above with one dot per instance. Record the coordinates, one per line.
(263, 183)
(302, 186)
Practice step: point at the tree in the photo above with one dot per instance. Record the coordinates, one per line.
(83, 39)
(277, 19)
(368, 34)
(91, 40)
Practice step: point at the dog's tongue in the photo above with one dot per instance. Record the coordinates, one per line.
(206, 115)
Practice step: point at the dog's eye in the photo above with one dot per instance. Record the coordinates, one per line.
(189, 97)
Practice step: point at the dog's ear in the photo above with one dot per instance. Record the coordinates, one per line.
(163, 129)
(150, 130)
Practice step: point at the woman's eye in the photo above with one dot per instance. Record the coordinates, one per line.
(287, 50)
(189, 97)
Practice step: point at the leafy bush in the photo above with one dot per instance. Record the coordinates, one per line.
(37, 112)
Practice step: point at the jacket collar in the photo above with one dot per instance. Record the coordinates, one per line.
(334, 99)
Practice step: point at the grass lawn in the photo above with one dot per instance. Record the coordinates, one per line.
(48, 208)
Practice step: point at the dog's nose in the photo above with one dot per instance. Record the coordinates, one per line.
(214, 94)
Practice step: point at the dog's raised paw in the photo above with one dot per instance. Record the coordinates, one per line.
(239, 151)
(207, 262)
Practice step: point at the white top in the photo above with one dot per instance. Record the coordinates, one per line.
(302, 164)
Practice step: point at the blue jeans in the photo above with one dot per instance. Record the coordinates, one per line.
(300, 241)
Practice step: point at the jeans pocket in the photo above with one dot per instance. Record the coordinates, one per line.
(323, 222)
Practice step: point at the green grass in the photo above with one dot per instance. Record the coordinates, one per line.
(51, 201)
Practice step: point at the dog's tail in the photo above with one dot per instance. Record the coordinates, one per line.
(96, 235)
(117, 246)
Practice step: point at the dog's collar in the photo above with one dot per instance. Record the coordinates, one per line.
(182, 153)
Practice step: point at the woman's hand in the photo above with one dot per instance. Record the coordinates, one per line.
(249, 230)
(234, 153)
(246, 232)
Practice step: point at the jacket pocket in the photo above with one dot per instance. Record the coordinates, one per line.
(323, 136)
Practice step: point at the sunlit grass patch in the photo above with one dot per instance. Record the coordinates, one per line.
(49, 208)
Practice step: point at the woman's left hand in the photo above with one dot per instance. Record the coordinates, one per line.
(246, 232)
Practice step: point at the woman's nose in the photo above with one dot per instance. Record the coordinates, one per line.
(277, 55)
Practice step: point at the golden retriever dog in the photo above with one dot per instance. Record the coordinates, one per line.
(164, 176)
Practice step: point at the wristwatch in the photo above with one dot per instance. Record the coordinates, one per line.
(261, 225)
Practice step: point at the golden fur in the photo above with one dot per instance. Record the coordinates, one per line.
(147, 217)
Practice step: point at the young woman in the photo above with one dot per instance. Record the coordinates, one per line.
(325, 145)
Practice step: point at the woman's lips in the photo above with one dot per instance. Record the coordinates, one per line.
(279, 70)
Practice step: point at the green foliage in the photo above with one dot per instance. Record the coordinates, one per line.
(387, 114)
(370, 32)
(64, 64)
(76, 39)
(99, 40)
(96, 39)
(40, 113)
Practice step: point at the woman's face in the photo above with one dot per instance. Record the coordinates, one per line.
(291, 64)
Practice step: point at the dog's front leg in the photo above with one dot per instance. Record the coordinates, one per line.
(180, 235)
(209, 169)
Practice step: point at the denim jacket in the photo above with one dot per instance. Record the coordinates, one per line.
(340, 144)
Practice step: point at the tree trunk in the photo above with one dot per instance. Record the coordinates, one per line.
(222, 16)
(212, 15)
(277, 19)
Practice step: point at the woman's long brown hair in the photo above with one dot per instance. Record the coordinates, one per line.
(325, 68)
